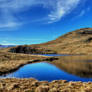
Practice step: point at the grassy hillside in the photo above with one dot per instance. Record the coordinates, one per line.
(76, 42)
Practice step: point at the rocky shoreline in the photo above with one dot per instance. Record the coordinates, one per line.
(21, 63)
(32, 85)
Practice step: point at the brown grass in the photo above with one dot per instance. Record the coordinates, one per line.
(32, 85)
(11, 61)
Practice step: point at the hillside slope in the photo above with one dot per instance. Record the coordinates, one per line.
(75, 42)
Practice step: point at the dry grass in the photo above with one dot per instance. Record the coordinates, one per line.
(12, 61)
(32, 85)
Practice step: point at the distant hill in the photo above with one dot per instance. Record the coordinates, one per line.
(6, 46)
(75, 42)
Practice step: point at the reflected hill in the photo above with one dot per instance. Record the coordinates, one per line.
(77, 65)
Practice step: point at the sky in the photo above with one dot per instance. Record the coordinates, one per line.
(38, 21)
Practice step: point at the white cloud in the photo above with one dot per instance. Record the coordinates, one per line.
(9, 24)
(81, 13)
(9, 8)
(63, 7)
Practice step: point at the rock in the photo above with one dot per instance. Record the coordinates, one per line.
(89, 39)
(35, 83)
(1, 86)
(53, 90)
(55, 81)
(42, 89)
(44, 83)
(30, 50)
(64, 81)
(72, 83)
(86, 90)
(28, 90)
(12, 86)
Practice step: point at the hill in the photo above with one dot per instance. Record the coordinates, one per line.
(75, 42)
(6, 46)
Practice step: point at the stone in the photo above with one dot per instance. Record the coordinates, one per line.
(42, 89)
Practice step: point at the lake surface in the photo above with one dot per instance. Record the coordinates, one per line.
(49, 72)
(53, 54)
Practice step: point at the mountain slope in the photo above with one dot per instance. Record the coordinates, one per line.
(76, 42)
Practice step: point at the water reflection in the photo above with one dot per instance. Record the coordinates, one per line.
(40, 71)
(77, 65)
(71, 68)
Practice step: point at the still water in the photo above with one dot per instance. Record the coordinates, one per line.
(53, 54)
(45, 71)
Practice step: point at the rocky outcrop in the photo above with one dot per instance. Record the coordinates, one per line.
(31, 50)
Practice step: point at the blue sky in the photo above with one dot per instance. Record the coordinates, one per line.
(38, 21)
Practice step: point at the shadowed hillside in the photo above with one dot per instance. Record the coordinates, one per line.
(76, 42)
